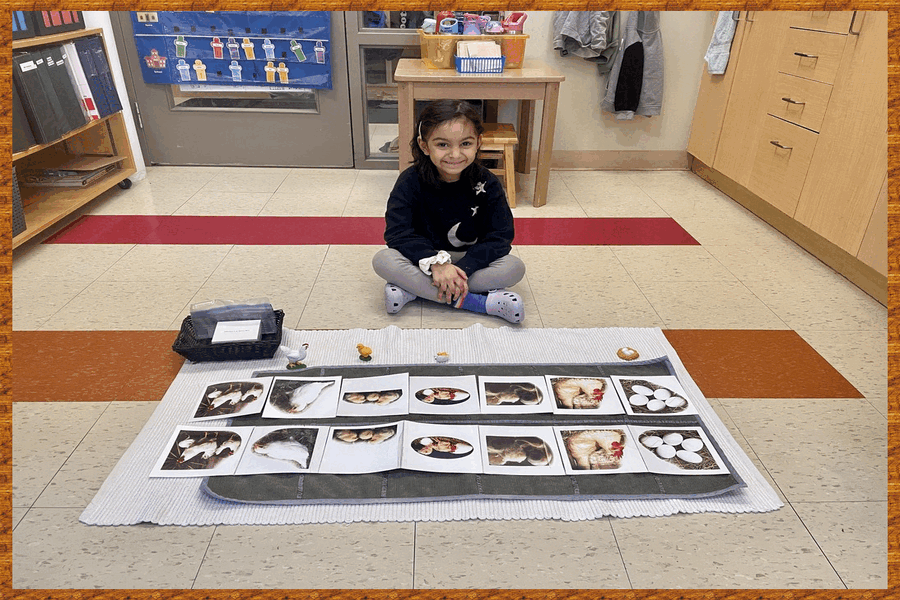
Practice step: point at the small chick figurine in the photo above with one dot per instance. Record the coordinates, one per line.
(365, 353)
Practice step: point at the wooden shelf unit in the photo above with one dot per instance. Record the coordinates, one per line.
(47, 206)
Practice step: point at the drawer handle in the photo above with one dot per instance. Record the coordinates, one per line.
(792, 101)
(852, 23)
(804, 55)
(777, 143)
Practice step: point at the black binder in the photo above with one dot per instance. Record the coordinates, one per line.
(39, 100)
(22, 26)
(22, 136)
(96, 69)
(64, 87)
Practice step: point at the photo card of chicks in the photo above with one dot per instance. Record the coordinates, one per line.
(303, 398)
(234, 398)
(283, 449)
(363, 449)
(441, 448)
(382, 395)
(514, 395)
(583, 395)
(454, 395)
(202, 452)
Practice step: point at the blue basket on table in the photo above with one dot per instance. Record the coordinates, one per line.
(480, 64)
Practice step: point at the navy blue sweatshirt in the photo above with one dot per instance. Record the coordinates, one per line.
(422, 219)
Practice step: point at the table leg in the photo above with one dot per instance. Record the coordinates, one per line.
(545, 147)
(405, 116)
(526, 124)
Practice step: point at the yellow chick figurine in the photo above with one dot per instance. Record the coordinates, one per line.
(365, 353)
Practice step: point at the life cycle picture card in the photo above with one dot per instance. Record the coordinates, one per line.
(202, 452)
(456, 395)
(599, 450)
(517, 395)
(280, 449)
(232, 398)
(374, 396)
(584, 395)
(303, 398)
(677, 450)
(520, 451)
(653, 395)
(363, 449)
(441, 448)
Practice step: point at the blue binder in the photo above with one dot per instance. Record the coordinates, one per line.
(96, 69)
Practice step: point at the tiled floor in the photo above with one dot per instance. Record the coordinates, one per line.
(826, 458)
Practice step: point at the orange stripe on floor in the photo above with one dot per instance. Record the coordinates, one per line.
(82, 366)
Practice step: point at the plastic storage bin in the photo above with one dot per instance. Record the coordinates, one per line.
(439, 50)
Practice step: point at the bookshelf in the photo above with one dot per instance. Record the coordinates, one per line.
(44, 207)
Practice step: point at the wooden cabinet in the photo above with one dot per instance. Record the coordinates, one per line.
(802, 140)
(46, 206)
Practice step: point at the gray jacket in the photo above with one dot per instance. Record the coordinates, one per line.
(592, 35)
(635, 85)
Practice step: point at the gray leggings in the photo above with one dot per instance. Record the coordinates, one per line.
(395, 268)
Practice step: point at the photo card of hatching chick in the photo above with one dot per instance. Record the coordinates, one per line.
(303, 398)
(363, 449)
(514, 395)
(202, 452)
(382, 395)
(599, 450)
(583, 395)
(283, 449)
(454, 395)
(233, 398)
(441, 448)
(520, 450)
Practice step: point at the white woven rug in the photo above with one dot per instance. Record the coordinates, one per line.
(129, 496)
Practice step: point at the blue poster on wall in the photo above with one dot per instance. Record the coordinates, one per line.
(290, 49)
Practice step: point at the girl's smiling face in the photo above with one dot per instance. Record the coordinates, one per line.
(452, 147)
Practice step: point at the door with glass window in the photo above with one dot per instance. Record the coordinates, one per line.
(203, 125)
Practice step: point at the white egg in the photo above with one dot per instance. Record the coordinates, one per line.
(665, 451)
(675, 401)
(687, 456)
(656, 405)
(652, 441)
(642, 389)
(692, 444)
(638, 400)
(673, 439)
(662, 393)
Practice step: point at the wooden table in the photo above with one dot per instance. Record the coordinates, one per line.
(535, 81)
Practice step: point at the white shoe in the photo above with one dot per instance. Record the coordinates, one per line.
(502, 303)
(396, 298)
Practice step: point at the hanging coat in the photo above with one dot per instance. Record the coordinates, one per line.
(592, 35)
(635, 84)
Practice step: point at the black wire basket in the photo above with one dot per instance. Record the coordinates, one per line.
(188, 346)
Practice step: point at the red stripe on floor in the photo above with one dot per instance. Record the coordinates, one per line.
(296, 231)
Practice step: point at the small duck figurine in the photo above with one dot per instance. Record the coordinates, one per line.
(365, 353)
(295, 358)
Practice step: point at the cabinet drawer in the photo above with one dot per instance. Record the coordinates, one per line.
(779, 172)
(800, 101)
(821, 20)
(812, 54)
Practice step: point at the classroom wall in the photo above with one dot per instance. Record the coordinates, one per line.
(585, 136)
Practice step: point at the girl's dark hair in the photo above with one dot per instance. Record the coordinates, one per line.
(433, 115)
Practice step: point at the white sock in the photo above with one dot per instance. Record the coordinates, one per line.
(502, 303)
(396, 298)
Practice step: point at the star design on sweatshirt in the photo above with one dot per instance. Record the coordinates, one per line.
(479, 187)
(474, 210)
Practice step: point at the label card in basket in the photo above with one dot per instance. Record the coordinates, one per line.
(236, 331)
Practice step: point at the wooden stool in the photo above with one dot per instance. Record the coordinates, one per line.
(497, 142)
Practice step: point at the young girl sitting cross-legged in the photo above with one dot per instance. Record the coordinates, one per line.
(449, 227)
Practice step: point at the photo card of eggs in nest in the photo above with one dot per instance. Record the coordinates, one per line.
(381, 395)
(678, 450)
(656, 396)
